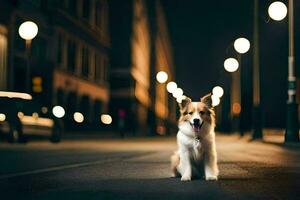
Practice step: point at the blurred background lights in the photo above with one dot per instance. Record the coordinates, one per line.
(44, 109)
(180, 98)
(178, 93)
(28, 30)
(241, 45)
(215, 100)
(2, 117)
(20, 115)
(78, 117)
(231, 64)
(106, 119)
(236, 108)
(218, 91)
(161, 77)
(58, 111)
(277, 10)
(171, 87)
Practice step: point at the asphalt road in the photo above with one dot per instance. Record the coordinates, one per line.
(139, 169)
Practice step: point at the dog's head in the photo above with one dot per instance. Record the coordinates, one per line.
(195, 115)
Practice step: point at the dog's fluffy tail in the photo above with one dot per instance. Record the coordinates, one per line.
(175, 159)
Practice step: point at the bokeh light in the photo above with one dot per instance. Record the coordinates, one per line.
(106, 119)
(218, 91)
(161, 77)
(58, 111)
(171, 87)
(2, 117)
(28, 30)
(78, 117)
(277, 10)
(231, 64)
(241, 45)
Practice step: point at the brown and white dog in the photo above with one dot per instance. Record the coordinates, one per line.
(196, 155)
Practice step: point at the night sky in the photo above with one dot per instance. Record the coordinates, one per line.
(202, 33)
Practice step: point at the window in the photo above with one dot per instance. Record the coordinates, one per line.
(85, 62)
(71, 55)
(86, 9)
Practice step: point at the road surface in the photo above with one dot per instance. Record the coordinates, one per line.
(139, 169)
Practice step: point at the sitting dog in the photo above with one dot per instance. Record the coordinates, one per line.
(196, 155)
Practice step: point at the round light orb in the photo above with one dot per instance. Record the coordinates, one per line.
(20, 115)
(231, 64)
(277, 10)
(78, 117)
(241, 45)
(58, 111)
(2, 117)
(171, 87)
(215, 100)
(218, 91)
(180, 98)
(178, 93)
(236, 108)
(106, 119)
(161, 77)
(28, 30)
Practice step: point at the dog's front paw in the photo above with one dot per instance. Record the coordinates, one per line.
(186, 178)
(211, 178)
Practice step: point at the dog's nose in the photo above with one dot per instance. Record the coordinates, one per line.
(196, 121)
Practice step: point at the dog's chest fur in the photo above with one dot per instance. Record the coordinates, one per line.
(192, 144)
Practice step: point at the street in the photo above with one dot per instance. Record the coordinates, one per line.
(139, 169)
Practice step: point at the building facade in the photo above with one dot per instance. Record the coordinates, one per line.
(140, 48)
(68, 60)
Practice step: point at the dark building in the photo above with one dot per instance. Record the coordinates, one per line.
(68, 59)
(140, 47)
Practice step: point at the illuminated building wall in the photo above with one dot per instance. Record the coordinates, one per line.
(140, 48)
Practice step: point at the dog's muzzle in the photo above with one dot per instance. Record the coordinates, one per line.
(197, 125)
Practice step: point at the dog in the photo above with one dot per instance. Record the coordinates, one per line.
(196, 155)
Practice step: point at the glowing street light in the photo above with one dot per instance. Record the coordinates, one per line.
(106, 119)
(161, 77)
(28, 30)
(78, 117)
(58, 111)
(215, 100)
(218, 91)
(241, 45)
(180, 98)
(171, 87)
(277, 10)
(2, 117)
(231, 64)
(178, 93)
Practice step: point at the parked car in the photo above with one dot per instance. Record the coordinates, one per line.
(21, 116)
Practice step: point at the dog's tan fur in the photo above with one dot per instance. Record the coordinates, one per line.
(195, 145)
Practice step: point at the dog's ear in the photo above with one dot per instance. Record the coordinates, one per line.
(207, 100)
(184, 103)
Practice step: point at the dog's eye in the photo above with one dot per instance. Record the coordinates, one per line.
(190, 113)
(185, 113)
(202, 112)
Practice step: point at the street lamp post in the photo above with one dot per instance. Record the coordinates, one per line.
(27, 31)
(241, 46)
(277, 11)
(257, 118)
